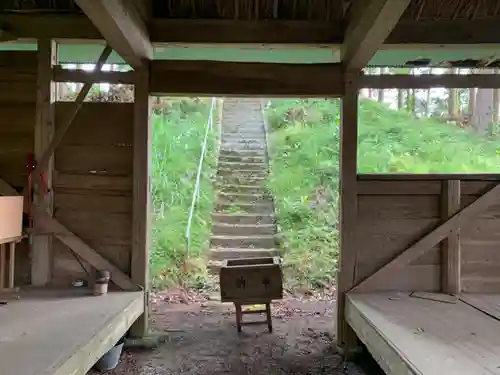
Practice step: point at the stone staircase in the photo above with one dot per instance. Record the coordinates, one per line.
(243, 221)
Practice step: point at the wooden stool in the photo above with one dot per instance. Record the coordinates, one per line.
(7, 268)
(240, 313)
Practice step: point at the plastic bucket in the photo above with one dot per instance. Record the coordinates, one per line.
(111, 359)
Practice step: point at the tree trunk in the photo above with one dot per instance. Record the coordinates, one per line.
(380, 97)
(452, 100)
(496, 102)
(483, 113)
(472, 103)
(401, 99)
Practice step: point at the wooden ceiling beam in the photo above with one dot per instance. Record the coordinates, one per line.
(123, 27)
(370, 24)
(53, 26)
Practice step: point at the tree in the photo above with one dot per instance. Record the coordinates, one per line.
(482, 116)
(452, 100)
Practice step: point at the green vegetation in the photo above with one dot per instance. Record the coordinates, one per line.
(305, 169)
(177, 141)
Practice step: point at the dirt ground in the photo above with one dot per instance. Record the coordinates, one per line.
(203, 340)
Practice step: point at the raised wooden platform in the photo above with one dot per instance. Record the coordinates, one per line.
(62, 332)
(408, 335)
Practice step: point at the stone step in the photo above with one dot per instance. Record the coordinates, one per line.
(222, 172)
(241, 159)
(241, 180)
(242, 189)
(243, 146)
(256, 242)
(242, 229)
(243, 197)
(238, 253)
(242, 152)
(243, 218)
(244, 207)
(234, 165)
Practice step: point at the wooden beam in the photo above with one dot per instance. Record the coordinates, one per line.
(141, 204)
(450, 247)
(61, 74)
(40, 249)
(237, 78)
(370, 24)
(348, 204)
(258, 32)
(46, 156)
(6, 189)
(87, 253)
(431, 239)
(122, 26)
(425, 81)
(290, 33)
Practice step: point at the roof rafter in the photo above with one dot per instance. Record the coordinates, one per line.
(371, 23)
(123, 26)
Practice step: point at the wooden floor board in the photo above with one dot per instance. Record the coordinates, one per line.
(62, 332)
(409, 335)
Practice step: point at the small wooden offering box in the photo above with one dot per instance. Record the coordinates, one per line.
(251, 280)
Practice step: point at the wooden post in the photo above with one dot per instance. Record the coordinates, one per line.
(348, 204)
(41, 257)
(141, 204)
(450, 247)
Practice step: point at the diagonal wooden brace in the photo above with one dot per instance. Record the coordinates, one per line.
(431, 239)
(84, 251)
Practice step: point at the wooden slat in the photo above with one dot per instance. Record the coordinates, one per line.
(94, 160)
(67, 182)
(18, 92)
(122, 26)
(141, 206)
(6, 189)
(261, 79)
(40, 249)
(432, 238)
(450, 247)
(86, 252)
(105, 124)
(369, 25)
(77, 75)
(91, 202)
(348, 204)
(400, 207)
(410, 188)
(429, 176)
(426, 81)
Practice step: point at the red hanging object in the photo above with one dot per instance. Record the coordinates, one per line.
(31, 165)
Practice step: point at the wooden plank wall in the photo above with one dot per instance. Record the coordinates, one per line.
(394, 212)
(93, 185)
(18, 76)
(480, 244)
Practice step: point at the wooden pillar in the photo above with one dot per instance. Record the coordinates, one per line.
(450, 247)
(41, 255)
(348, 204)
(141, 204)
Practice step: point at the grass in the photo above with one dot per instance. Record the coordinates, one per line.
(177, 142)
(305, 169)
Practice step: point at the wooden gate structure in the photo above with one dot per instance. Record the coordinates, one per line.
(419, 279)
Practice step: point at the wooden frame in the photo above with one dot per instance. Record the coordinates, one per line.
(272, 32)
(425, 81)
(141, 204)
(431, 239)
(41, 253)
(123, 26)
(59, 74)
(370, 24)
(348, 203)
(247, 79)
